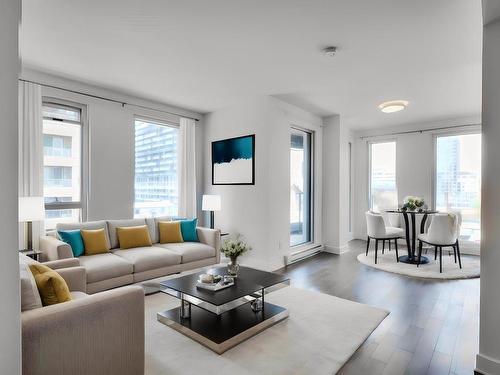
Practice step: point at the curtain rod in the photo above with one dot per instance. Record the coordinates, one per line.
(418, 131)
(107, 99)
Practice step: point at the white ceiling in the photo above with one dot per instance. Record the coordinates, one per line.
(204, 55)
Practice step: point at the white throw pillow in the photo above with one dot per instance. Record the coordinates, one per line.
(30, 298)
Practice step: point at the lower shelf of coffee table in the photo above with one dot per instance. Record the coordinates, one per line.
(222, 332)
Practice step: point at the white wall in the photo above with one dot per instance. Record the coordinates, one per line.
(111, 142)
(261, 212)
(10, 336)
(488, 359)
(414, 163)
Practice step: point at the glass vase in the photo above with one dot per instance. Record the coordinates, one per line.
(233, 267)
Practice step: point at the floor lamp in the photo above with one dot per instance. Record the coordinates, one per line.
(211, 203)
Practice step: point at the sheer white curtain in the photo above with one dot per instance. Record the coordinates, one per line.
(187, 168)
(31, 150)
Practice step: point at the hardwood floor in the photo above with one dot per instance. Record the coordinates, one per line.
(432, 327)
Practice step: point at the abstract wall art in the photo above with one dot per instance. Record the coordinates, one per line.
(233, 161)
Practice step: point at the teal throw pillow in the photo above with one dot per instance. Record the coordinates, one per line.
(188, 230)
(74, 239)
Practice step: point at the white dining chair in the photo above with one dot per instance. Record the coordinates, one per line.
(443, 232)
(376, 229)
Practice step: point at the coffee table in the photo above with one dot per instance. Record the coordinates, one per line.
(221, 320)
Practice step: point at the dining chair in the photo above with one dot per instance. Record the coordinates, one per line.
(391, 220)
(376, 229)
(443, 232)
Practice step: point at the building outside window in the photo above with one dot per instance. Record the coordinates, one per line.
(458, 180)
(156, 183)
(62, 160)
(383, 189)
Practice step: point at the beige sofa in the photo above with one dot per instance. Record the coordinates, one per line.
(121, 267)
(101, 334)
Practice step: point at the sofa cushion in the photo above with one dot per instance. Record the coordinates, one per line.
(188, 229)
(105, 266)
(190, 251)
(149, 258)
(130, 237)
(51, 286)
(170, 231)
(74, 239)
(95, 241)
(30, 298)
(153, 224)
(113, 224)
(78, 295)
(89, 225)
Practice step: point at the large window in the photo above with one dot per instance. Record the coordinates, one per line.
(300, 187)
(458, 180)
(156, 189)
(62, 161)
(383, 191)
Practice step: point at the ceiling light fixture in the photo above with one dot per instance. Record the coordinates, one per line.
(329, 51)
(393, 106)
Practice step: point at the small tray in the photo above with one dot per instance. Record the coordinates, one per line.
(214, 286)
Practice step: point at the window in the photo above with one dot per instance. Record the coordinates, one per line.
(300, 187)
(62, 164)
(383, 191)
(458, 180)
(349, 160)
(156, 190)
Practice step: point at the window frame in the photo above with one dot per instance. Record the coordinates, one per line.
(82, 205)
(158, 122)
(369, 145)
(450, 133)
(311, 185)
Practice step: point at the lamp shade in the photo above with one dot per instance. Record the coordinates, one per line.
(211, 203)
(31, 209)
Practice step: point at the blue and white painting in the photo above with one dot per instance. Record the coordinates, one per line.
(233, 161)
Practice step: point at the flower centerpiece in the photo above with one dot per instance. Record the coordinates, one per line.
(411, 203)
(232, 249)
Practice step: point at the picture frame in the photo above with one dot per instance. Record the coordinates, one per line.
(233, 161)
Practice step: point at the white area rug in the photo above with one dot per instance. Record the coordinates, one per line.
(387, 262)
(320, 335)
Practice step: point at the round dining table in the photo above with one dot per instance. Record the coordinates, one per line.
(410, 242)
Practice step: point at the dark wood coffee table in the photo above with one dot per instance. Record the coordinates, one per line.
(223, 319)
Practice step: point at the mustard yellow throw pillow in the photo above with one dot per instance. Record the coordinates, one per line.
(129, 237)
(94, 241)
(170, 231)
(51, 286)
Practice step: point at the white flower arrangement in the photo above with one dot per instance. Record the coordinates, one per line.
(412, 203)
(234, 248)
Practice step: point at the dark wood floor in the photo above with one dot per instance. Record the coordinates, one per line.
(432, 327)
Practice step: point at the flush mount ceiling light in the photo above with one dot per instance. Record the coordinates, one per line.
(393, 106)
(329, 51)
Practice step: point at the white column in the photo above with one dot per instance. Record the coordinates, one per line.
(10, 342)
(488, 359)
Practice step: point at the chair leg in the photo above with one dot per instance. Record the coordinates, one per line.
(396, 248)
(376, 250)
(455, 253)
(367, 245)
(419, 252)
(440, 259)
(389, 245)
(383, 246)
(458, 254)
(435, 252)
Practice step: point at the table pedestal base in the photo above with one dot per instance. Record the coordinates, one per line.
(407, 259)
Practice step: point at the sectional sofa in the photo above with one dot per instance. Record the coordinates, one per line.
(121, 267)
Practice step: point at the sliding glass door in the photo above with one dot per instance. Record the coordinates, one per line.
(458, 180)
(300, 187)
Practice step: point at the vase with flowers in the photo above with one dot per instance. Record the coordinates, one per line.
(412, 203)
(232, 249)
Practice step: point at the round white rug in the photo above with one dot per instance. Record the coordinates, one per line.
(387, 262)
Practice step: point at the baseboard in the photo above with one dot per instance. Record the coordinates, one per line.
(302, 254)
(486, 365)
(336, 249)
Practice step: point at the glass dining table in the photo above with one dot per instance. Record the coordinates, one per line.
(411, 240)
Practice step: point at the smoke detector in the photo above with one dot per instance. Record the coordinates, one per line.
(329, 51)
